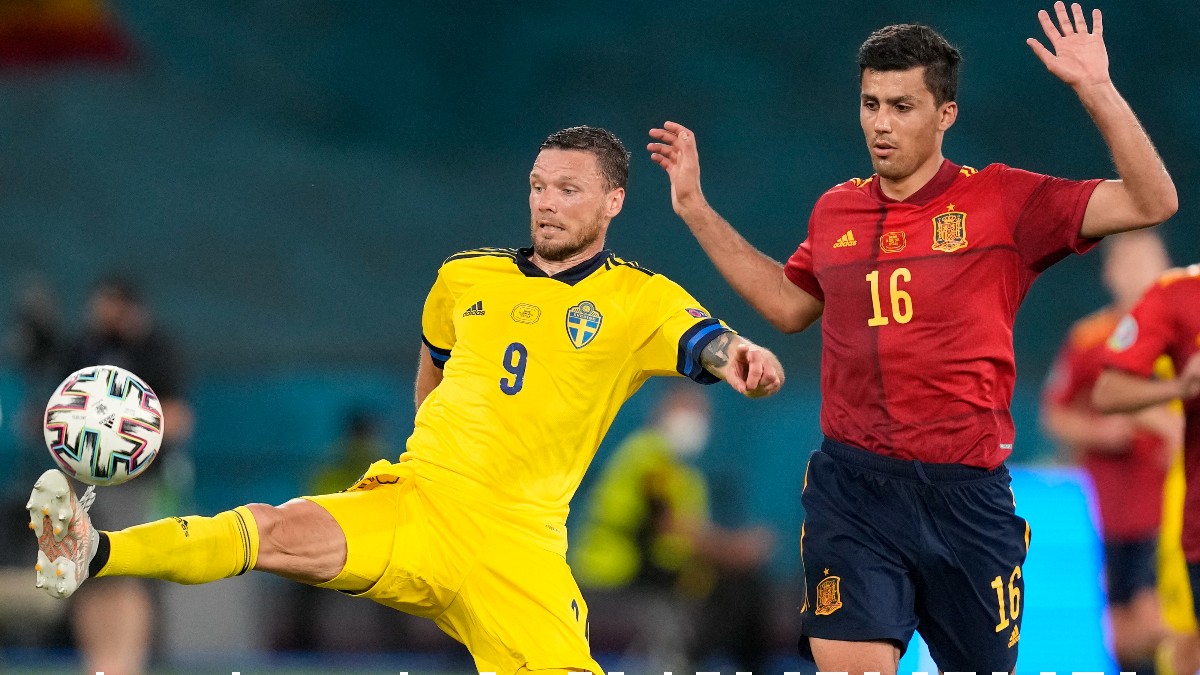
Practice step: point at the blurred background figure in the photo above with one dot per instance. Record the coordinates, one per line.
(347, 458)
(1126, 456)
(687, 587)
(121, 330)
(34, 345)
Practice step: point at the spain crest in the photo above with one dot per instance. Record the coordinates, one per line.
(829, 596)
(950, 230)
(583, 323)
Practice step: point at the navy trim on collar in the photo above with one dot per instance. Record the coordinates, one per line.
(570, 276)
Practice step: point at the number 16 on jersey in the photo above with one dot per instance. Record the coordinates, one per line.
(902, 309)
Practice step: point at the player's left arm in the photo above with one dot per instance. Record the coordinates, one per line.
(1120, 391)
(1145, 194)
(750, 369)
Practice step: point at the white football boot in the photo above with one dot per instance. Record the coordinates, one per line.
(66, 539)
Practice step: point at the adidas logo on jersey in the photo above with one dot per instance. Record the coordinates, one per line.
(475, 310)
(845, 240)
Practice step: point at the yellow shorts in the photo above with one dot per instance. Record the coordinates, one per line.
(500, 586)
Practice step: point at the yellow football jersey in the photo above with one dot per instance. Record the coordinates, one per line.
(535, 368)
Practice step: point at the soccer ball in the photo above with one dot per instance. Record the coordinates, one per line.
(103, 425)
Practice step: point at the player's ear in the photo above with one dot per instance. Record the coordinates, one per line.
(614, 201)
(948, 112)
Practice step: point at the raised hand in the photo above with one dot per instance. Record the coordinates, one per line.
(675, 151)
(1079, 58)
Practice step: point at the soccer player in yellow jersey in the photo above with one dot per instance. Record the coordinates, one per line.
(527, 356)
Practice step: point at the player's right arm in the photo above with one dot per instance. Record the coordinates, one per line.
(1076, 429)
(751, 370)
(1140, 338)
(1120, 391)
(754, 275)
(437, 336)
(1073, 426)
(429, 376)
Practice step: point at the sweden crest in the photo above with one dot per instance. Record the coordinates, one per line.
(583, 322)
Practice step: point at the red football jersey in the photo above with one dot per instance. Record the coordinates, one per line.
(1140, 467)
(920, 297)
(1167, 321)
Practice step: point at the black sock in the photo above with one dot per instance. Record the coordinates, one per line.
(101, 558)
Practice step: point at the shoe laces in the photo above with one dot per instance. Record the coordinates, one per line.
(89, 496)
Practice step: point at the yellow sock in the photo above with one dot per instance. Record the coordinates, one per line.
(191, 550)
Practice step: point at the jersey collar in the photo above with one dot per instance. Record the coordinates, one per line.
(569, 276)
(928, 192)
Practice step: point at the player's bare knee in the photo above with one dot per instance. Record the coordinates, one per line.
(266, 519)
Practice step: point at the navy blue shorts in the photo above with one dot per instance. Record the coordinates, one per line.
(1130, 567)
(891, 546)
(1193, 570)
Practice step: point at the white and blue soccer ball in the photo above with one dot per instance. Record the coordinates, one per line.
(103, 425)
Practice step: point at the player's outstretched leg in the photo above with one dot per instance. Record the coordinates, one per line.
(66, 539)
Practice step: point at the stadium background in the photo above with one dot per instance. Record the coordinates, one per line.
(285, 178)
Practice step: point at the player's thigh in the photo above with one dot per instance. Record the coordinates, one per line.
(520, 608)
(971, 586)
(858, 585)
(834, 656)
(362, 523)
(298, 540)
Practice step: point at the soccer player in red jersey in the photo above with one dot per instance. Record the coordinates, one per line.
(1165, 321)
(918, 272)
(1124, 455)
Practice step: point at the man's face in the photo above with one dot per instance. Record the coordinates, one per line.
(569, 207)
(902, 123)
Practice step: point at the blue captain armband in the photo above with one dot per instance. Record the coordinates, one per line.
(440, 356)
(692, 343)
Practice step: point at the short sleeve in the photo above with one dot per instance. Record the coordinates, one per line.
(1046, 213)
(672, 329)
(437, 321)
(1141, 336)
(799, 268)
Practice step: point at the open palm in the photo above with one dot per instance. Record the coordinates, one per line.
(1079, 58)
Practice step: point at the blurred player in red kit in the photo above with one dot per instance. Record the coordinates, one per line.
(1124, 455)
(1165, 321)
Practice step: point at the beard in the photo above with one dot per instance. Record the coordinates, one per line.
(561, 249)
